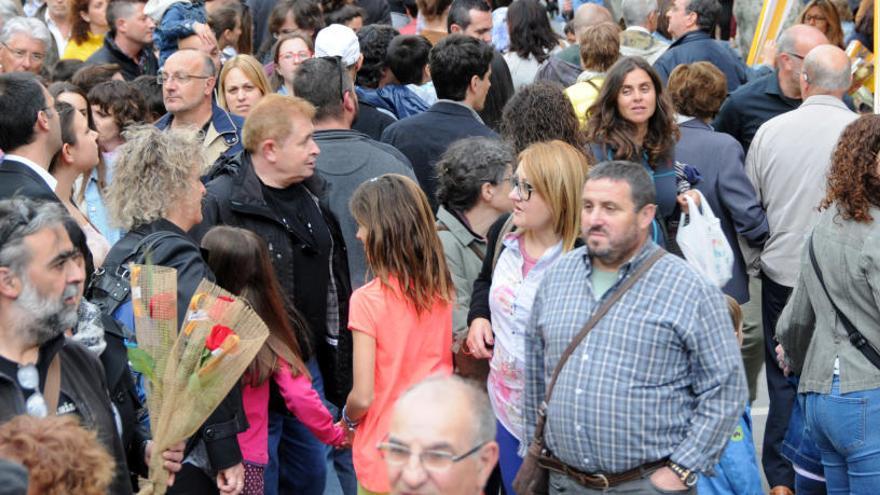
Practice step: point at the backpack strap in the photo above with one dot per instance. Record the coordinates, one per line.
(442, 227)
(507, 228)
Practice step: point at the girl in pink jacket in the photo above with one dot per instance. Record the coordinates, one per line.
(240, 262)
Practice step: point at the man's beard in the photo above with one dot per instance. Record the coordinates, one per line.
(45, 318)
(617, 249)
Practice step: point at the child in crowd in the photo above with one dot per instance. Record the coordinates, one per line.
(241, 264)
(175, 20)
(386, 90)
(401, 320)
(737, 472)
(408, 61)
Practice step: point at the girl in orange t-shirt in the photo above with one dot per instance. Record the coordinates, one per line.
(402, 319)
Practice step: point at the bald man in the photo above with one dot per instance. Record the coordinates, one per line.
(188, 78)
(441, 440)
(588, 14)
(788, 163)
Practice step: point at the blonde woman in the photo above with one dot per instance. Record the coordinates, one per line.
(546, 197)
(242, 84)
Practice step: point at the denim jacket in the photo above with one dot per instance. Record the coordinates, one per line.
(223, 137)
(96, 210)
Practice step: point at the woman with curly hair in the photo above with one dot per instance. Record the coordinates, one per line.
(60, 455)
(633, 119)
(540, 112)
(156, 196)
(532, 40)
(89, 24)
(835, 296)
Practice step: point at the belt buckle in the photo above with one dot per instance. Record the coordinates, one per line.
(604, 480)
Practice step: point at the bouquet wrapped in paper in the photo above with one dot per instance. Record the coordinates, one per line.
(218, 339)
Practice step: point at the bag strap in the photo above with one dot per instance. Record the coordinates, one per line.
(855, 337)
(575, 342)
(442, 227)
(52, 390)
(507, 228)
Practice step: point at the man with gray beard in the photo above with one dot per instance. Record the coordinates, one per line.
(41, 372)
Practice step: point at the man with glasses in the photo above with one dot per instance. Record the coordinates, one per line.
(763, 98)
(460, 68)
(788, 164)
(129, 43)
(24, 44)
(441, 447)
(30, 135)
(188, 78)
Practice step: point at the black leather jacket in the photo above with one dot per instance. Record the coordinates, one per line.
(84, 383)
(180, 252)
(235, 197)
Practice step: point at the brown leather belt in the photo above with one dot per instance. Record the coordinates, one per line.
(599, 481)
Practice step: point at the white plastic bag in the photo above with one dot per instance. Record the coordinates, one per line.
(703, 243)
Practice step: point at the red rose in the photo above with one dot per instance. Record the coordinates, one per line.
(218, 335)
(163, 306)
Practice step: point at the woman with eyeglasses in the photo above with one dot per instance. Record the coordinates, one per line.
(242, 84)
(545, 224)
(822, 15)
(633, 119)
(289, 52)
(473, 189)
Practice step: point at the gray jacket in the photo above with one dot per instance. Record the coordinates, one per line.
(848, 254)
(348, 159)
(460, 246)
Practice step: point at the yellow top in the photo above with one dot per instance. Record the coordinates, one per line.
(582, 95)
(85, 50)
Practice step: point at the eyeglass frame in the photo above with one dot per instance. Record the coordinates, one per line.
(337, 60)
(515, 185)
(454, 459)
(162, 78)
(19, 54)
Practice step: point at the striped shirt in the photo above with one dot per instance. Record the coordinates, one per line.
(659, 376)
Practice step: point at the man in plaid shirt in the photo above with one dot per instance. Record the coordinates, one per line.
(649, 398)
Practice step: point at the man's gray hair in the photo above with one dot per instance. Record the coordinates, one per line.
(786, 43)
(825, 72)
(19, 218)
(640, 183)
(466, 166)
(445, 387)
(636, 12)
(29, 26)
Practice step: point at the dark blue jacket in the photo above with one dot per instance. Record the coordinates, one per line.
(227, 125)
(719, 158)
(17, 179)
(396, 98)
(698, 46)
(424, 137)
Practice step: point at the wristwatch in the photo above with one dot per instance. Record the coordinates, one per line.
(688, 477)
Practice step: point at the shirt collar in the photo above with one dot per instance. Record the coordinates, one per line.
(647, 249)
(474, 112)
(638, 28)
(42, 172)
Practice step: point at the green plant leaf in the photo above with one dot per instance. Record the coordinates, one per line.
(142, 362)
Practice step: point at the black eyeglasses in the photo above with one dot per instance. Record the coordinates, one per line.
(29, 378)
(523, 188)
(337, 60)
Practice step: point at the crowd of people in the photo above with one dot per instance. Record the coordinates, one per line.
(459, 220)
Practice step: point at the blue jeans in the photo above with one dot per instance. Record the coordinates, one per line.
(297, 460)
(800, 448)
(508, 458)
(845, 429)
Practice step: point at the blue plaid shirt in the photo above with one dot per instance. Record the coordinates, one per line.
(659, 376)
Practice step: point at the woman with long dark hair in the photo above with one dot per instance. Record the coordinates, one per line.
(240, 262)
(532, 40)
(633, 119)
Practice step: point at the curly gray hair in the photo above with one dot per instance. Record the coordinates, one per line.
(151, 173)
(465, 166)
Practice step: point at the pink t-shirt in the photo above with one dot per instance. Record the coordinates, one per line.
(301, 400)
(409, 348)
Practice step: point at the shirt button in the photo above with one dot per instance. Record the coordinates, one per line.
(585, 357)
(578, 391)
(586, 460)
(578, 427)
